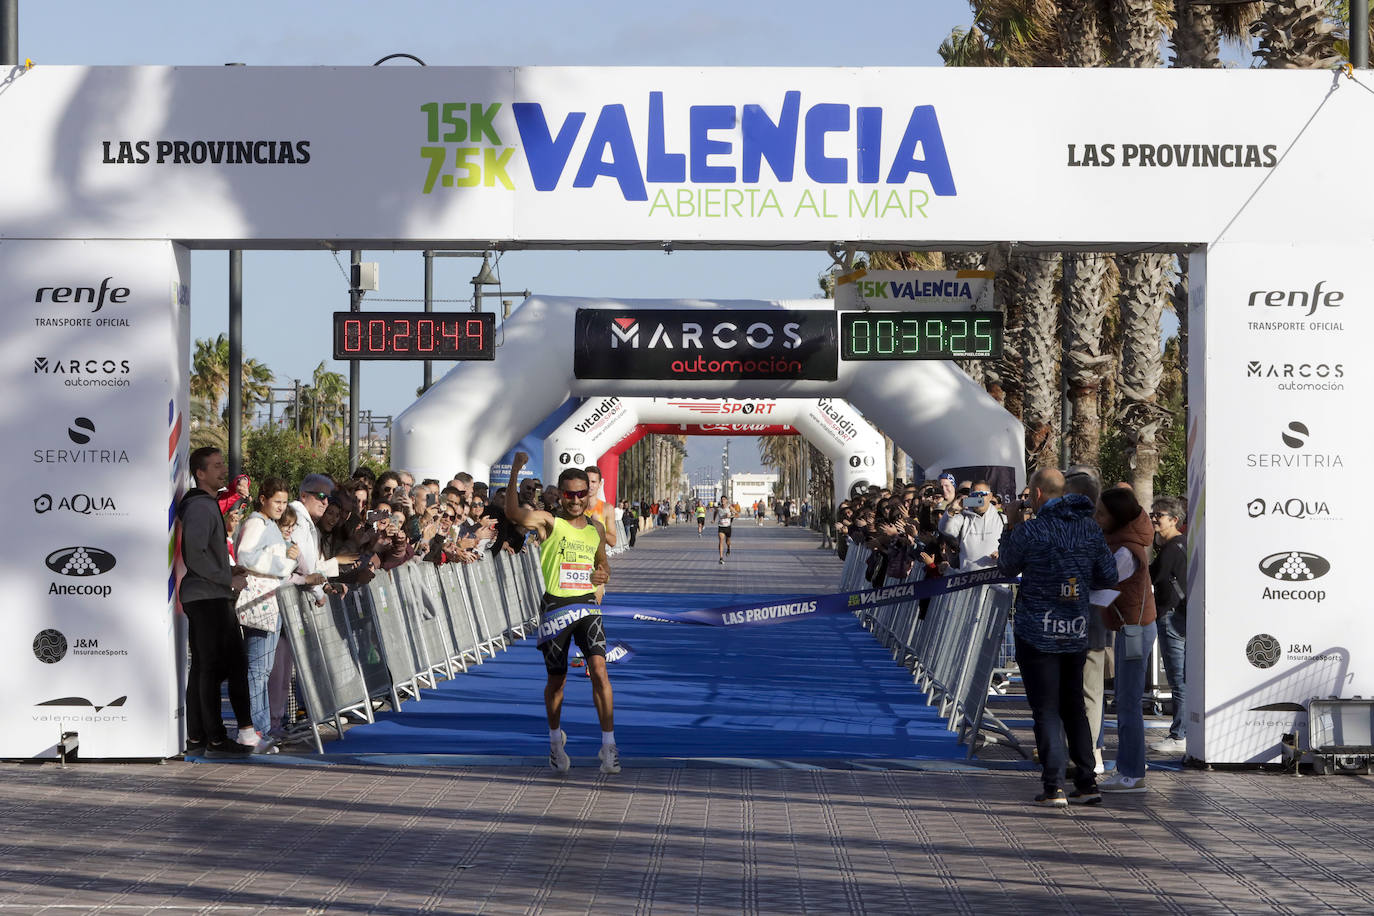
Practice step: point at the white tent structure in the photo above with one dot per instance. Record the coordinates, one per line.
(476, 412)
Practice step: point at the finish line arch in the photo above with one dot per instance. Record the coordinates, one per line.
(123, 169)
(609, 462)
(931, 409)
(849, 441)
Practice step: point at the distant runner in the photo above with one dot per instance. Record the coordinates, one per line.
(701, 519)
(572, 558)
(725, 516)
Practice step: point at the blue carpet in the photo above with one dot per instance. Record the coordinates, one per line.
(819, 689)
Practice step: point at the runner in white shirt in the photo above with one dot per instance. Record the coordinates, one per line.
(725, 515)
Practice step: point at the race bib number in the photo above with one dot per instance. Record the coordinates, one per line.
(575, 575)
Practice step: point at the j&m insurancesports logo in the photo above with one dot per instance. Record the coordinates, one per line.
(1263, 651)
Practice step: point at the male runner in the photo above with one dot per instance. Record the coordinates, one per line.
(701, 518)
(598, 508)
(725, 515)
(572, 557)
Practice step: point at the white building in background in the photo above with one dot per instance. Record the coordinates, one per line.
(747, 489)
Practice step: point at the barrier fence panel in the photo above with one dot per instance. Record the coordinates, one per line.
(389, 618)
(327, 674)
(477, 578)
(454, 617)
(422, 615)
(367, 645)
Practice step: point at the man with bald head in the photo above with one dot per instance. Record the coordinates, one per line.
(1060, 555)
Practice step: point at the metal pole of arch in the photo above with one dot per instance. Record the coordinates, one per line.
(9, 33)
(355, 374)
(429, 307)
(235, 362)
(1359, 34)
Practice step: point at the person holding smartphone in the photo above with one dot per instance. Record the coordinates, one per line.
(974, 524)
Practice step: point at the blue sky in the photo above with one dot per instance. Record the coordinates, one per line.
(288, 295)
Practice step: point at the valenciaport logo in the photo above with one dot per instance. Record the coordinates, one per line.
(1297, 376)
(80, 709)
(80, 303)
(721, 345)
(81, 431)
(1294, 566)
(1297, 438)
(1263, 651)
(1292, 507)
(76, 503)
(84, 373)
(50, 646)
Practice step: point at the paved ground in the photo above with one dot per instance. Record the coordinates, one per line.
(177, 837)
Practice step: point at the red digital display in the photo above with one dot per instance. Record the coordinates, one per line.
(414, 335)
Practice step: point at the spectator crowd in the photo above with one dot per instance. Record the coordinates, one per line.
(1102, 580)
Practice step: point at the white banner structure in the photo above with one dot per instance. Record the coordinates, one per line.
(833, 426)
(95, 354)
(1228, 165)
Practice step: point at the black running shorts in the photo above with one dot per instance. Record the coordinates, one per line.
(726, 531)
(590, 636)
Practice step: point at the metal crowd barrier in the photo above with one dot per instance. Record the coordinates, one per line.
(405, 629)
(952, 651)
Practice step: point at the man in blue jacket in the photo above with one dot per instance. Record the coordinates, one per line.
(1061, 555)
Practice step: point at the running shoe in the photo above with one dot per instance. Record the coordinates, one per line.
(1118, 784)
(1052, 798)
(248, 737)
(1170, 746)
(224, 750)
(609, 756)
(558, 758)
(722, 561)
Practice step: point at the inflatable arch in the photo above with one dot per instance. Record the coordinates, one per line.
(609, 463)
(855, 447)
(475, 413)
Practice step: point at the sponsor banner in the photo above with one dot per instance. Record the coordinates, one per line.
(1284, 460)
(648, 154)
(94, 432)
(807, 606)
(616, 651)
(681, 345)
(915, 291)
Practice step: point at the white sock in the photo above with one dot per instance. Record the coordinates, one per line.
(553, 735)
(607, 738)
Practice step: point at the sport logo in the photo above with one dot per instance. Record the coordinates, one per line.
(80, 562)
(50, 647)
(1263, 651)
(1294, 566)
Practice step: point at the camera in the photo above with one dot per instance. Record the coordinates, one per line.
(377, 515)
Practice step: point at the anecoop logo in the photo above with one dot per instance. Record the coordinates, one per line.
(80, 561)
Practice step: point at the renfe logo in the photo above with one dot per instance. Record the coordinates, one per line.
(710, 158)
(89, 294)
(1298, 298)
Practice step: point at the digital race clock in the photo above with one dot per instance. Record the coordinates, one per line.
(414, 335)
(920, 335)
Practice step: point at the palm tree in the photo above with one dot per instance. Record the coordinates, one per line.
(256, 382)
(1034, 278)
(1298, 34)
(328, 397)
(210, 370)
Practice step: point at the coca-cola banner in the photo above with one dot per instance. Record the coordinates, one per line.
(677, 344)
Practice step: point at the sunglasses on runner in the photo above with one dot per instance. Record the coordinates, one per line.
(575, 494)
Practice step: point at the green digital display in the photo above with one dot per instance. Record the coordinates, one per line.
(920, 335)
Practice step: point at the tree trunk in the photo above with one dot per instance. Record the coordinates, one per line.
(1003, 376)
(1136, 32)
(1034, 275)
(1145, 287)
(1085, 361)
(1196, 36)
(888, 449)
